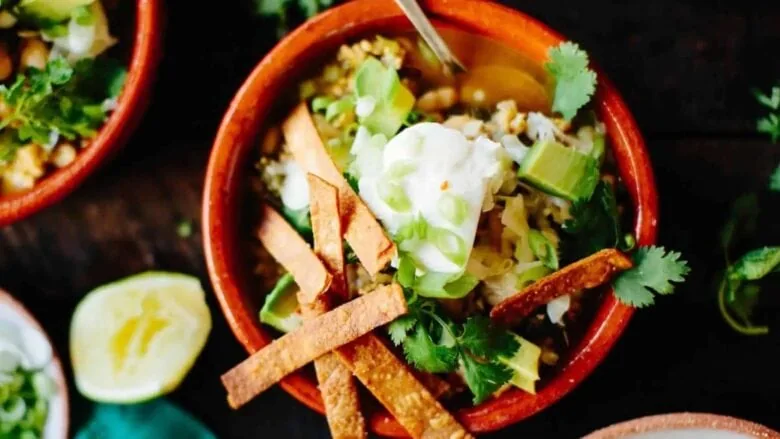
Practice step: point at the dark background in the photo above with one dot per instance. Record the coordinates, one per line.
(685, 70)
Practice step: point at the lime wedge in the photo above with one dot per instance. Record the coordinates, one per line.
(136, 338)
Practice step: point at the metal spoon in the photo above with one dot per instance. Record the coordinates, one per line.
(429, 34)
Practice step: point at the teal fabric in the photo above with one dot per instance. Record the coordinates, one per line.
(150, 420)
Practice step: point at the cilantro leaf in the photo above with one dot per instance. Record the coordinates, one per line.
(756, 264)
(286, 12)
(575, 83)
(483, 378)
(398, 328)
(774, 180)
(433, 343)
(60, 100)
(739, 292)
(769, 124)
(653, 273)
(422, 353)
(771, 101)
(485, 340)
(594, 225)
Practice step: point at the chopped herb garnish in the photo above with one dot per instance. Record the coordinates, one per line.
(288, 12)
(434, 343)
(769, 124)
(774, 180)
(61, 100)
(739, 290)
(594, 225)
(653, 273)
(575, 83)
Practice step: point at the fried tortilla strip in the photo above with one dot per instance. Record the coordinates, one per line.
(361, 229)
(396, 387)
(292, 252)
(312, 340)
(438, 387)
(326, 226)
(337, 387)
(590, 272)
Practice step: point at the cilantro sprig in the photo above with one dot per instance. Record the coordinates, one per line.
(575, 83)
(434, 343)
(774, 180)
(594, 225)
(653, 273)
(769, 124)
(60, 100)
(739, 290)
(742, 281)
(287, 12)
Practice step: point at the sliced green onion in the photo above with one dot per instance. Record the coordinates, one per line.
(320, 103)
(461, 286)
(453, 208)
(393, 194)
(543, 249)
(445, 285)
(43, 385)
(400, 169)
(337, 108)
(406, 271)
(452, 246)
(13, 410)
(531, 275)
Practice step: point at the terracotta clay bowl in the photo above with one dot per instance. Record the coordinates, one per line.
(57, 421)
(226, 187)
(685, 425)
(132, 102)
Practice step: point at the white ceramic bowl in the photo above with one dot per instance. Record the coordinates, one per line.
(14, 313)
(685, 426)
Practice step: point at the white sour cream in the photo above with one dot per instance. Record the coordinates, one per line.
(438, 161)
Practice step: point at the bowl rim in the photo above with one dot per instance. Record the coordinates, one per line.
(683, 420)
(58, 373)
(114, 133)
(249, 107)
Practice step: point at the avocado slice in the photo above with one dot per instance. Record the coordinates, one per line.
(393, 101)
(524, 365)
(53, 11)
(281, 305)
(560, 170)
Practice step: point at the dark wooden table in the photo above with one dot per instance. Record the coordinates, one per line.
(684, 69)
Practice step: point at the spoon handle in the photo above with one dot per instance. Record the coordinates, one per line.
(429, 34)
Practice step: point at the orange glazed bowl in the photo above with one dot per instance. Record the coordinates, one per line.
(226, 187)
(143, 58)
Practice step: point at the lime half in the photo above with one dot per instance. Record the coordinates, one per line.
(136, 338)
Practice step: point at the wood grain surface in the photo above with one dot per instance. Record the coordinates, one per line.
(685, 70)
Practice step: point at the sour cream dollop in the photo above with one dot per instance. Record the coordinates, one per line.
(437, 171)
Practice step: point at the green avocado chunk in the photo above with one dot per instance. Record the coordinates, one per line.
(560, 170)
(279, 309)
(524, 365)
(51, 10)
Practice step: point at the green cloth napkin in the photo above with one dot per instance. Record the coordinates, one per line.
(150, 420)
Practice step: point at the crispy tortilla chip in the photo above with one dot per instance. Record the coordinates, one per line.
(337, 387)
(394, 385)
(590, 272)
(340, 397)
(326, 225)
(361, 229)
(312, 340)
(438, 387)
(292, 252)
